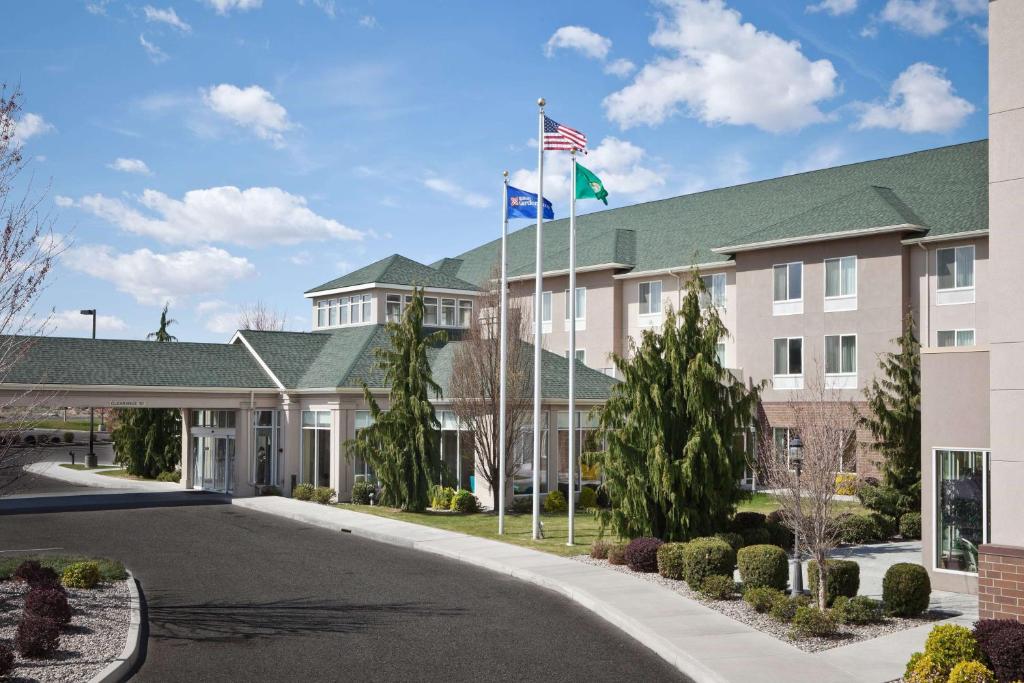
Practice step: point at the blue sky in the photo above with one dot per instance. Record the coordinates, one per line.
(215, 152)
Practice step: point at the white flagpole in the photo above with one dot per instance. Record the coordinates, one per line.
(572, 352)
(503, 372)
(537, 314)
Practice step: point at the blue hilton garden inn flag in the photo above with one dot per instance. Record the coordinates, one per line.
(522, 204)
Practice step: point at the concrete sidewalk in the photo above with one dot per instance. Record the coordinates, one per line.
(704, 644)
(53, 470)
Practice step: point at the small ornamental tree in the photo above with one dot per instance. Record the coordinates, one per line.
(403, 444)
(894, 415)
(671, 465)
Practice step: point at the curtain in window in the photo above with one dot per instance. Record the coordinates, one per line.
(645, 298)
(718, 289)
(965, 267)
(832, 278)
(965, 337)
(832, 354)
(849, 356)
(780, 283)
(849, 270)
(946, 338)
(781, 356)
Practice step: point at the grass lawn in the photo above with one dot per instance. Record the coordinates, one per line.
(79, 466)
(57, 425)
(107, 471)
(766, 503)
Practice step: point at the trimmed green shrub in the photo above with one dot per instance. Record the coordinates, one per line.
(858, 610)
(732, 538)
(906, 589)
(843, 579)
(522, 504)
(81, 575)
(303, 492)
(642, 554)
(756, 536)
(464, 501)
(971, 672)
(950, 644)
(811, 621)
(6, 660)
(762, 598)
(885, 526)
(49, 602)
(910, 525)
(763, 566)
(588, 498)
(37, 637)
(780, 535)
(672, 560)
(883, 499)
(617, 553)
(1002, 643)
(599, 550)
(69, 437)
(784, 607)
(555, 502)
(53, 566)
(441, 497)
(323, 495)
(718, 588)
(742, 521)
(29, 440)
(707, 556)
(857, 529)
(173, 476)
(361, 491)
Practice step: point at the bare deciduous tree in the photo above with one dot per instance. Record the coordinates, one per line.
(475, 385)
(260, 317)
(822, 421)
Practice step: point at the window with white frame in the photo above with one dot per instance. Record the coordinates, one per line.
(448, 311)
(720, 353)
(955, 267)
(545, 309)
(346, 310)
(789, 356)
(581, 303)
(788, 281)
(840, 277)
(581, 355)
(321, 313)
(955, 337)
(361, 470)
(841, 354)
(465, 313)
(430, 311)
(650, 298)
(961, 508)
(315, 468)
(394, 308)
(715, 294)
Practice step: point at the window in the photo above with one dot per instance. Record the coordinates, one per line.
(430, 311)
(217, 419)
(265, 448)
(523, 454)
(956, 267)
(448, 312)
(585, 442)
(343, 311)
(581, 303)
(361, 470)
(650, 298)
(316, 447)
(715, 286)
(841, 354)
(841, 277)
(720, 353)
(465, 313)
(545, 307)
(581, 355)
(394, 308)
(355, 311)
(788, 279)
(955, 338)
(321, 313)
(456, 452)
(961, 508)
(789, 356)
(366, 308)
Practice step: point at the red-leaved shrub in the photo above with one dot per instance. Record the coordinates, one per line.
(6, 659)
(49, 602)
(37, 637)
(32, 573)
(1002, 642)
(642, 554)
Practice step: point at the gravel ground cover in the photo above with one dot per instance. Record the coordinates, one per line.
(94, 638)
(742, 612)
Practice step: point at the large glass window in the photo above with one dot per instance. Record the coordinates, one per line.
(585, 443)
(465, 313)
(321, 313)
(457, 462)
(448, 312)
(840, 354)
(841, 276)
(650, 298)
(219, 419)
(788, 282)
(789, 356)
(362, 471)
(394, 308)
(955, 337)
(956, 267)
(523, 454)
(343, 310)
(715, 286)
(430, 311)
(266, 437)
(961, 515)
(316, 447)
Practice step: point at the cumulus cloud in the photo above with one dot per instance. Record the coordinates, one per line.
(153, 278)
(620, 67)
(225, 7)
(62, 201)
(155, 54)
(29, 126)
(218, 316)
(253, 217)
(129, 166)
(253, 108)
(457, 192)
(69, 322)
(723, 71)
(930, 17)
(921, 100)
(165, 16)
(581, 39)
(834, 7)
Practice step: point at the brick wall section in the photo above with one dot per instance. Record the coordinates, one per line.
(1001, 582)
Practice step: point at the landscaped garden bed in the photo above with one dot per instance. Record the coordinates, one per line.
(61, 618)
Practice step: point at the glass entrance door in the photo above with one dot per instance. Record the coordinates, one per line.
(214, 457)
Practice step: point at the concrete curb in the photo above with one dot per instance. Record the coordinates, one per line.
(119, 669)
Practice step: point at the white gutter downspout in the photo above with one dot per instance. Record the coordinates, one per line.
(926, 319)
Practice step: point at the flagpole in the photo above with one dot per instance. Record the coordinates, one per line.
(537, 314)
(503, 345)
(572, 352)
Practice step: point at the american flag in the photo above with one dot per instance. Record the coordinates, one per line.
(557, 136)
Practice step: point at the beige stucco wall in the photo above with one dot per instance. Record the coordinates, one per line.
(931, 316)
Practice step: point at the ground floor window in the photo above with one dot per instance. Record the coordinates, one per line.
(961, 508)
(316, 447)
(362, 471)
(266, 448)
(586, 427)
(456, 448)
(523, 482)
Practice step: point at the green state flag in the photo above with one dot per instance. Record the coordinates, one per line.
(589, 186)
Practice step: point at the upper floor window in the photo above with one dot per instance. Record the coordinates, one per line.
(840, 354)
(430, 311)
(955, 338)
(841, 277)
(545, 307)
(581, 355)
(789, 282)
(344, 310)
(715, 294)
(581, 303)
(720, 353)
(789, 356)
(445, 312)
(956, 267)
(465, 313)
(650, 298)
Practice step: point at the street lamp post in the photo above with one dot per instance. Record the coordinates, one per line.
(796, 575)
(90, 458)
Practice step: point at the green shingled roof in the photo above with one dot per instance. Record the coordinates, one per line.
(398, 270)
(122, 362)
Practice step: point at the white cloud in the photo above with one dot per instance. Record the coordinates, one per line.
(581, 39)
(921, 100)
(723, 71)
(218, 316)
(301, 258)
(62, 201)
(156, 55)
(252, 108)
(129, 166)
(823, 156)
(923, 17)
(65, 323)
(327, 6)
(619, 164)
(620, 67)
(166, 16)
(225, 7)
(457, 192)
(253, 217)
(98, 7)
(368, 21)
(152, 278)
(29, 126)
(834, 7)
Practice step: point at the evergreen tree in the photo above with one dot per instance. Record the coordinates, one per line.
(672, 466)
(894, 415)
(403, 443)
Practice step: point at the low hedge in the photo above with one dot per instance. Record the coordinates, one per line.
(303, 492)
(672, 560)
(743, 521)
(464, 501)
(811, 621)
(81, 575)
(971, 672)
(761, 599)
(843, 579)
(718, 587)
(172, 476)
(910, 525)
(555, 502)
(858, 610)
(323, 495)
(756, 536)
(906, 589)
(885, 526)
(732, 538)
(857, 529)
(642, 554)
(1002, 643)
(707, 556)
(780, 534)
(950, 644)
(784, 607)
(588, 498)
(763, 566)
(599, 550)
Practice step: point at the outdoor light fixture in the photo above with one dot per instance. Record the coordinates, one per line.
(90, 457)
(796, 572)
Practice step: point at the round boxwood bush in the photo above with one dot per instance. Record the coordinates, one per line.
(732, 538)
(81, 575)
(555, 502)
(48, 602)
(742, 521)
(906, 589)
(857, 529)
(950, 644)
(464, 501)
(885, 526)
(361, 491)
(784, 607)
(303, 492)
(718, 588)
(756, 536)
(707, 556)
(672, 560)
(763, 566)
(617, 554)
(843, 579)
(910, 525)
(6, 660)
(859, 610)
(1002, 642)
(780, 534)
(642, 554)
(761, 599)
(588, 498)
(811, 621)
(69, 437)
(37, 637)
(971, 672)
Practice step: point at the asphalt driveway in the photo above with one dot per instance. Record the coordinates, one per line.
(237, 595)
